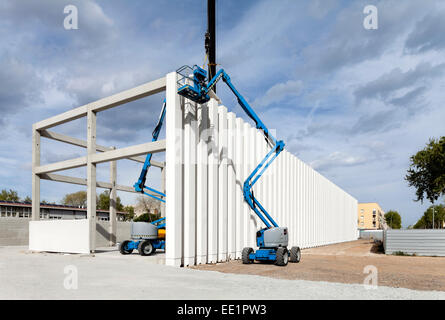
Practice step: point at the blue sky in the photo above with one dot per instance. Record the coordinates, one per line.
(353, 103)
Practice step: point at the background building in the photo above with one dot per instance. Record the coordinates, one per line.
(370, 216)
(52, 211)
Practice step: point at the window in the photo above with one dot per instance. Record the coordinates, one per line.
(362, 217)
(362, 223)
(361, 211)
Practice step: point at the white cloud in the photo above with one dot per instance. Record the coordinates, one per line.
(279, 92)
(337, 159)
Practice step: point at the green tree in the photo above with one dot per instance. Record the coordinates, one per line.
(130, 213)
(426, 221)
(148, 217)
(27, 199)
(393, 219)
(76, 199)
(427, 171)
(10, 195)
(103, 202)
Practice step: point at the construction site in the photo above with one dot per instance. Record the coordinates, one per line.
(238, 208)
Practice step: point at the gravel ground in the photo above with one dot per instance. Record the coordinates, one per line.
(109, 275)
(345, 263)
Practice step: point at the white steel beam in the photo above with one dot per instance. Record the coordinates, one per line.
(83, 144)
(91, 178)
(213, 159)
(252, 164)
(201, 185)
(61, 165)
(231, 187)
(35, 176)
(83, 182)
(162, 190)
(174, 163)
(141, 91)
(246, 167)
(190, 142)
(239, 197)
(113, 207)
(222, 184)
(144, 148)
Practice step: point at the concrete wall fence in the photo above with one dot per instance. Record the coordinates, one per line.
(209, 154)
(421, 242)
(15, 232)
(371, 234)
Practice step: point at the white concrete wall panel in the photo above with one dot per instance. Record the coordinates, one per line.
(231, 186)
(190, 150)
(70, 236)
(218, 151)
(239, 198)
(174, 157)
(201, 185)
(212, 191)
(222, 184)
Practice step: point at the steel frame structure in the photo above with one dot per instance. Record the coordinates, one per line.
(95, 154)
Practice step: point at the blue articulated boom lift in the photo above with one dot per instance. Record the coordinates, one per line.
(272, 240)
(147, 237)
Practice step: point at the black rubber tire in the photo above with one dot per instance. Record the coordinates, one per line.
(295, 255)
(145, 248)
(245, 255)
(122, 246)
(282, 257)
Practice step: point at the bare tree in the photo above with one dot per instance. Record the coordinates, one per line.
(148, 204)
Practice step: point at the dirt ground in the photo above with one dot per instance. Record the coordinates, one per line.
(345, 263)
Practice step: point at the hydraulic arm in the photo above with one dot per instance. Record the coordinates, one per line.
(140, 186)
(147, 237)
(200, 92)
(272, 240)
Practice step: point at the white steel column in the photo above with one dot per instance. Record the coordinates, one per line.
(259, 138)
(287, 209)
(201, 185)
(190, 142)
(113, 198)
(294, 201)
(91, 177)
(174, 162)
(162, 190)
(35, 177)
(239, 158)
(213, 160)
(222, 183)
(252, 159)
(246, 166)
(231, 186)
